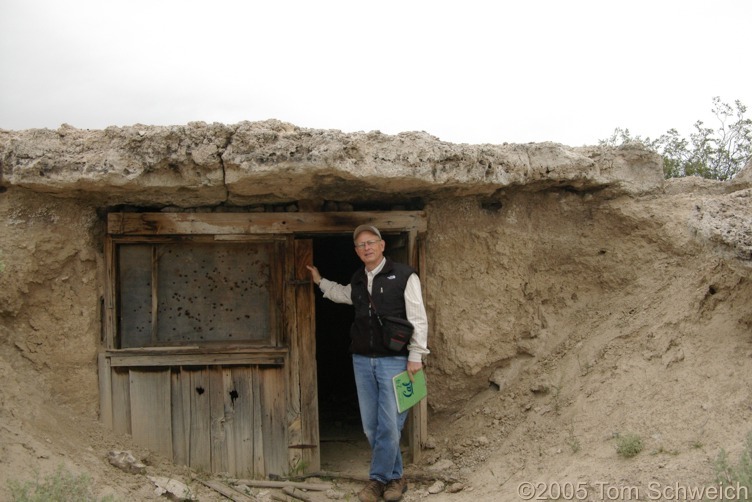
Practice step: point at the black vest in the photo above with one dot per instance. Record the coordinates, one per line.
(388, 293)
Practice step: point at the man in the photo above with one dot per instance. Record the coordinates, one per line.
(391, 289)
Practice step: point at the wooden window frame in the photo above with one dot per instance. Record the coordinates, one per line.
(123, 228)
(275, 285)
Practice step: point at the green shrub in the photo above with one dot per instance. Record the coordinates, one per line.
(628, 445)
(62, 486)
(739, 475)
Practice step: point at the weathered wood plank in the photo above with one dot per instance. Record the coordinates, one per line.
(181, 416)
(422, 417)
(134, 360)
(303, 257)
(240, 422)
(105, 389)
(292, 340)
(417, 420)
(228, 491)
(258, 468)
(234, 348)
(259, 483)
(151, 421)
(296, 493)
(229, 420)
(305, 312)
(411, 473)
(200, 421)
(110, 294)
(274, 424)
(259, 223)
(121, 401)
(218, 432)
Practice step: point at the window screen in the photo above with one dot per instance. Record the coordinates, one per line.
(192, 293)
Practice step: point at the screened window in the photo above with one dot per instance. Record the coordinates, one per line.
(194, 293)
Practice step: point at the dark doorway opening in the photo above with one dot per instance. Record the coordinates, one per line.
(343, 443)
(339, 416)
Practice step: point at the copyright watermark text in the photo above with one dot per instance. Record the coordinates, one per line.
(601, 491)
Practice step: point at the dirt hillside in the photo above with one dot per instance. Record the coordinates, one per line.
(640, 327)
(575, 318)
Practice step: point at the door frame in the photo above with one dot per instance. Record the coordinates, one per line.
(295, 228)
(416, 427)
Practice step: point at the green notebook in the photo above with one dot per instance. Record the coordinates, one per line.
(409, 393)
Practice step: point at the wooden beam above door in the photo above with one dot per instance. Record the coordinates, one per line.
(261, 223)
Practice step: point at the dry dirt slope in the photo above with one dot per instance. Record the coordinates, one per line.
(666, 355)
(662, 349)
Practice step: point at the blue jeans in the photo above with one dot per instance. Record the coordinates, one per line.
(378, 412)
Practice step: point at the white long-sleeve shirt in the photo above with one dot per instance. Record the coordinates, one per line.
(416, 311)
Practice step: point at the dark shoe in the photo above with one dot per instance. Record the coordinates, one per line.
(394, 490)
(372, 491)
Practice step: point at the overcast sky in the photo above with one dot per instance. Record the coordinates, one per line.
(470, 71)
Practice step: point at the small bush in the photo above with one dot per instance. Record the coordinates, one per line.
(628, 445)
(62, 486)
(572, 440)
(739, 475)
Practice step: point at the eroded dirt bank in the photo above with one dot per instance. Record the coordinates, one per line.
(563, 313)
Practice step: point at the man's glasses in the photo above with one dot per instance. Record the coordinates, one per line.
(362, 245)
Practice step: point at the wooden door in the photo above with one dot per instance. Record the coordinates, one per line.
(305, 451)
(417, 424)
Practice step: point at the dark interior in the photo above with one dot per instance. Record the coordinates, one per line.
(341, 432)
(339, 416)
